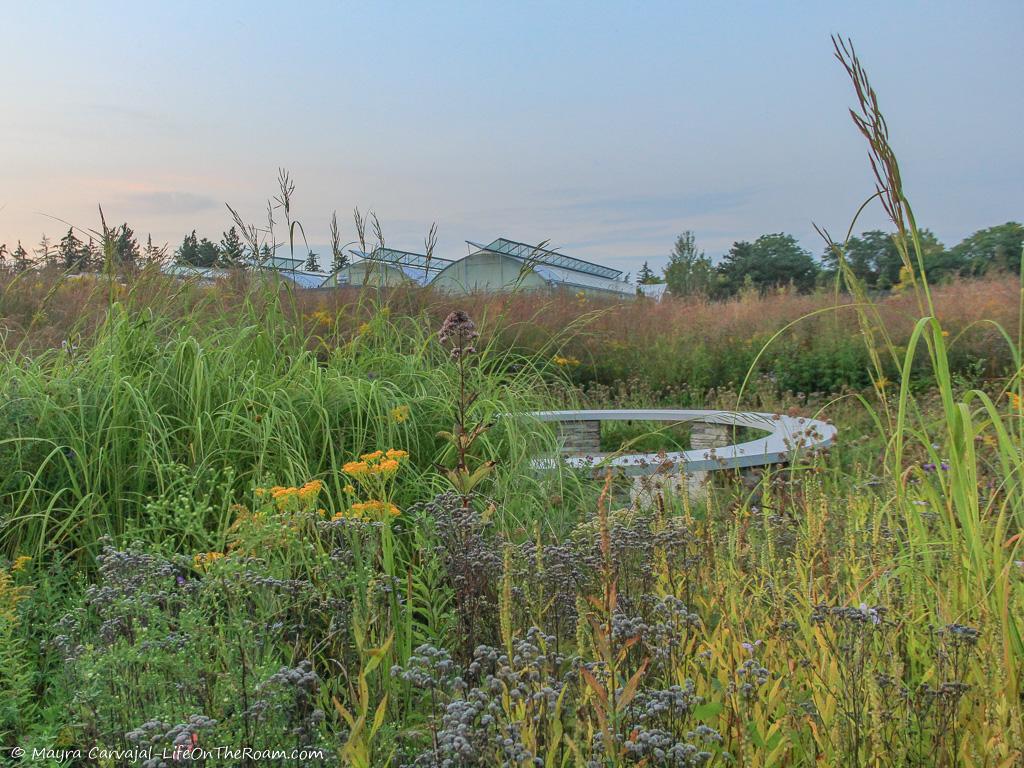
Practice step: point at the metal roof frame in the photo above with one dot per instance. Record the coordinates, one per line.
(394, 256)
(536, 254)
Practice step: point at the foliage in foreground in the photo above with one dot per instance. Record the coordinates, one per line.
(373, 593)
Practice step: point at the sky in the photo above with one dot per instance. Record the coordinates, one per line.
(604, 128)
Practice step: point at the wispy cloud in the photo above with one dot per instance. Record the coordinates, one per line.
(169, 202)
(658, 207)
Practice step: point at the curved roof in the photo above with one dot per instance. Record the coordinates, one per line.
(558, 270)
(417, 267)
(541, 255)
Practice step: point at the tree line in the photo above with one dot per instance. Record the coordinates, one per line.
(873, 258)
(74, 254)
(770, 262)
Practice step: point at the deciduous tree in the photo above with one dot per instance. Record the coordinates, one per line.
(997, 247)
(771, 261)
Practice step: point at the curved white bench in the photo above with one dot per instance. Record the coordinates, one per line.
(787, 436)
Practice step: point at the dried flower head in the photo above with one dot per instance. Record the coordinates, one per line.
(459, 331)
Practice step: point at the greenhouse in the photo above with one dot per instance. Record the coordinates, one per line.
(387, 267)
(507, 265)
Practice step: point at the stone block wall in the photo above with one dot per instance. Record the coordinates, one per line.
(580, 438)
(704, 435)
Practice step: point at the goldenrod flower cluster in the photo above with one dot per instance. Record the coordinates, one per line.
(369, 510)
(400, 414)
(10, 596)
(20, 562)
(204, 560)
(320, 317)
(373, 473)
(291, 498)
(1015, 400)
(376, 463)
(566, 361)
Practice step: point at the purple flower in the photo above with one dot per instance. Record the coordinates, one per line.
(460, 331)
(180, 579)
(944, 466)
(928, 467)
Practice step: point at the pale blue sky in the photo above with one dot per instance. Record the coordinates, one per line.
(606, 128)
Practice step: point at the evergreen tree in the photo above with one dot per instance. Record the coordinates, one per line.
(188, 251)
(231, 252)
(153, 254)
(312, 263)
(3, 255)
(646, 276)
(72, 253)
(94, 258)
(45, 253)
(689, 272)
(125, 248)
(21, 259)
(265, 253)
(207, 254)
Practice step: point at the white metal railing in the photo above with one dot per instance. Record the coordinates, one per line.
(786, 436)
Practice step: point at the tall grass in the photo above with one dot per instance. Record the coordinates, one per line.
(859, 608)
(162, 407)
(979, 494)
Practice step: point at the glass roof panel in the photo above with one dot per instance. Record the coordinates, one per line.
(406, 259)
(535, 254)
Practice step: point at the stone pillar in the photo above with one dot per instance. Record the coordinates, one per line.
(580, 438)
(704, 436)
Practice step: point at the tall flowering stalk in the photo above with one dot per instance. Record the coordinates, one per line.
(458, 333)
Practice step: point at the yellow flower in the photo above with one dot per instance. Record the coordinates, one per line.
(10, 596)
(564, 361)
(350, 488)
(387, 467)
(372, 456)
(321, 317)
(356, 468)
(310, 490)
(375, 510)
(204, 560)
(364, 329)
(20, 562)
(1015, 400)
(395, 453)
(400, 414)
